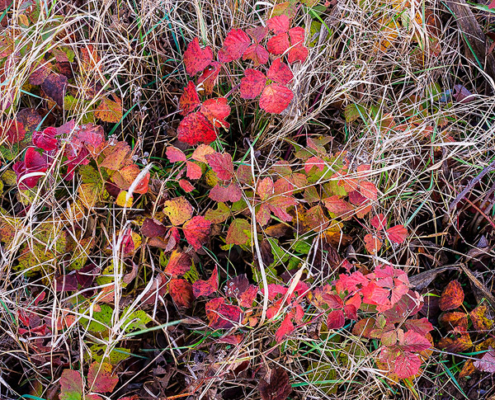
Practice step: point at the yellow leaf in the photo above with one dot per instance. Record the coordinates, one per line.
(121, 199)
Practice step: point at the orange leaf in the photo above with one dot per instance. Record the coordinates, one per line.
(109, 111)
(372, 243)
(181, 293)
(205, 288)
(178, 210)
(452, 296)
(178, 264)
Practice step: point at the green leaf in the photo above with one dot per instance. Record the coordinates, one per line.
(353, 112)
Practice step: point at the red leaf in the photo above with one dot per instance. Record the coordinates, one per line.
(338, 206)
(247, 297)
(15, 131)
(280, 72)
(332, 300)
(397, 234)
(175, 155)
(221, 315)
(45, 140)
(368, 190)
(286, 328)
(221, 194)
(178, 264)
(278, 44)
(34, 163)
(252, 84)
(205, 288)
(487, 362)
(209, 77)
(421, 326)
(258, 33)
(279, 24)
(257, 53)
(193, 170)
(372, 243)
(265, 188)
(379, 221)
(275, 98)
(181, 293)
(314, 162)
(196, 128)
(336, 319)
(278, 387)
(413, 342)
(100, 378)
(406, 365)
(196, 231)
(186, 185)
(298, 51)
(195, 59)
(152, 228)
(491, 5)
(71, 385)
(234, 46)
(452, 296)
(222, 165)
(189, 99)
(216, 110)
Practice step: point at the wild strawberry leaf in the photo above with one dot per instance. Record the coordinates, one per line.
(420, 326)
(406, 365)
(452, 320)
(175, 155)
(197, 231)
(45, 140)
(197, 59)
(280, 72)
(206, 288)
(278, 44)
(222, 165)
(209, 77)
(222, 194)
(256, 53)
(178, 210)
(258, 33)
(452, 296)
(194, 171)
(189, 100)
(221, 315)
(339, 207)
(336, 319)
(481, 319)
(275, 98)
(298, 51)
(265, 188)
(152, 228)
(71, 385)
(101, 379)
(285, 329)
(234, 45)
(196, 128)
(181, 292)
(116, 157)
(178, 264)
(368, 190)
(33, 163)
(186, 185)
(252, 84)
(221, 214)
(278, 24)
(216, 110)
(372, 243)
(109, 110)
(397, 234)
(54, 86)
(379, 221)
(125, 177)
(239, 232)
(414, 342)
(13, 131)
(201, 152)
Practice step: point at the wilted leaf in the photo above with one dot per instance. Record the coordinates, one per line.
(197, 231)
(372, 243)
(239, 231)
(487, 362)
(54, 86)
(178, 264)
(101, 379)
(201, 152)
(219, 215)
(379, 221)
(275, 98)
(178, 210)
(205, 288)
(13, 131)
(452, 296)
(109, 111)
(277, 387)
(459, 343)
(209, 77)
(152, 228)
(195, 58)
(480, 318)
(221, 315)
(181, 293)
(455, 319)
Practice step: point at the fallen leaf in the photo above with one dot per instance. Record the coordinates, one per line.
(101, 379)
(178, 264)
(181, 292)
(397, 234)
(277, 387)
(110, 111)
